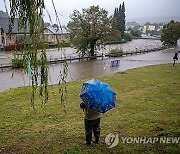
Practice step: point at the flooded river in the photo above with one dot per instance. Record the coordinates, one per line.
(134, 45)
(89, 69)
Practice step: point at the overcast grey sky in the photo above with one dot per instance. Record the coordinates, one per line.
(134, 8)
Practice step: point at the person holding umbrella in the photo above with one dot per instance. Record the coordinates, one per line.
(92, 124)
(97, 98)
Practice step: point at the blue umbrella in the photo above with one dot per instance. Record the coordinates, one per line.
(97, 96)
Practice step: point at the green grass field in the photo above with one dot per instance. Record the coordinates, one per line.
(148, 105)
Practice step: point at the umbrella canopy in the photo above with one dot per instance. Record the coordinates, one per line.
(97, 96)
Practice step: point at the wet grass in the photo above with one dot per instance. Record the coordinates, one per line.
(148, 105)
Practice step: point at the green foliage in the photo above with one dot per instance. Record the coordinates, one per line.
(30, 21)
(119, 15)
(42, 45)
(118, 40)
(117, 50)
(127, 37)
(17, 63)
(63, 44)
(135, 33)
(62, 84)
(170, 33)
(90, 29)
(114, 40)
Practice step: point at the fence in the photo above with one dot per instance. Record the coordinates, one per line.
(73, 58)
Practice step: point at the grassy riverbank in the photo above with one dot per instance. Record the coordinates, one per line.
(148, 105)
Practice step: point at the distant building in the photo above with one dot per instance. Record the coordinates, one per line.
(15, 35)
(2, 37)
(159, 28)
(152, 27)
(54, 34)
(147, 28)
(4, 14)
(131, 24)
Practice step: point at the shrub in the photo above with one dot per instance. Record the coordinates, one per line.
(17, 61)
(42, 45)
(63, 44)
(127, 37)
(114, 51)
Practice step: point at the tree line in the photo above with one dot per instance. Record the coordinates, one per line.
(119, 15)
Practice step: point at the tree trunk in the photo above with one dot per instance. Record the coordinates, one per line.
(92, 46)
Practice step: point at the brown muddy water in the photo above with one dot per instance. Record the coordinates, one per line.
(78, 70)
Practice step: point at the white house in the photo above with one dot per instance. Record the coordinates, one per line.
(149, 28)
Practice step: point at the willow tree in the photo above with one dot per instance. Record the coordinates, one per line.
(30, 21)
(89, 29)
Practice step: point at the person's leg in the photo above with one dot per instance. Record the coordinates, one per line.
(174, 62)
(88, 129)
(96, 130)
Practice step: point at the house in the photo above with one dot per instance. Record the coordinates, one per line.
(11, 41)
(53, 34)
(159, 28)
(4, 23)
(131, 24)
(147, 28)
(2, 38)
